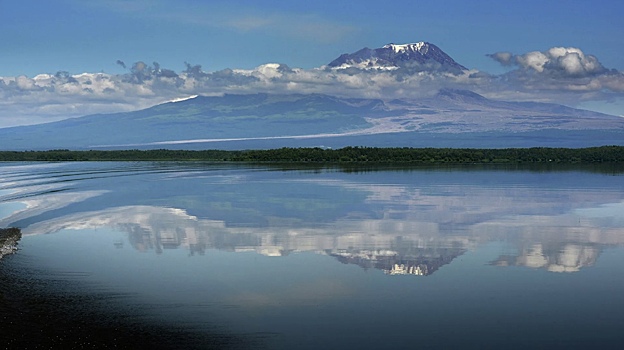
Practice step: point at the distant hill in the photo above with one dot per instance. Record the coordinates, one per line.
(225, 117)
(451, 118)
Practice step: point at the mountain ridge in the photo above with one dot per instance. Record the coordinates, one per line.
(235, 121)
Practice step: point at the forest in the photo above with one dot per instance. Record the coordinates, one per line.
(355, 155)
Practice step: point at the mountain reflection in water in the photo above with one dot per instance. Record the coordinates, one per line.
(396, 246)
(244, 256)
(414, 223)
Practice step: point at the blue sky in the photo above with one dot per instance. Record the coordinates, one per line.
(79, 36)
(90, 36)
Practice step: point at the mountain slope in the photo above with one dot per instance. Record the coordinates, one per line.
(221, 117)
(452, 118)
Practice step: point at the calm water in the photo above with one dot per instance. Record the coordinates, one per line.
(429, 258)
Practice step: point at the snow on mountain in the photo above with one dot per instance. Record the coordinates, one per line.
(180, 99)
(420, 56)
(408, 47)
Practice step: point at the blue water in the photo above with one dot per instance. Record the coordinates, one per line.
(321, 258)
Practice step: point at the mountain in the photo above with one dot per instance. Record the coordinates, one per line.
(400, 260)
(201, 117)
(451, 118)
(421, 56)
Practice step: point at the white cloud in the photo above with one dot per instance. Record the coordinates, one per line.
(62, 95)
(534, 60)
(560, 74)
(556, 61)
(563, 75)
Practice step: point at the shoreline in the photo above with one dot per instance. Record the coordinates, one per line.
(8, 240)
(346, 155)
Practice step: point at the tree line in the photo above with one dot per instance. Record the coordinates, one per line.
(603, 154)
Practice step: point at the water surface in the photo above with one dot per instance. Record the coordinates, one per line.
(322, 258)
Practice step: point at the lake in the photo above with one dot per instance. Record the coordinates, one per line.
(213, 255)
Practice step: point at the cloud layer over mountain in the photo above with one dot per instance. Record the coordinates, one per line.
(562, 70)
(561, 75)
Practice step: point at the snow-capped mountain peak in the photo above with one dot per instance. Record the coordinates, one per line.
(408, 47)
(419, 56)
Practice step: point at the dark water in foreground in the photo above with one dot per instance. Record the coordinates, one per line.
(215, 256)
